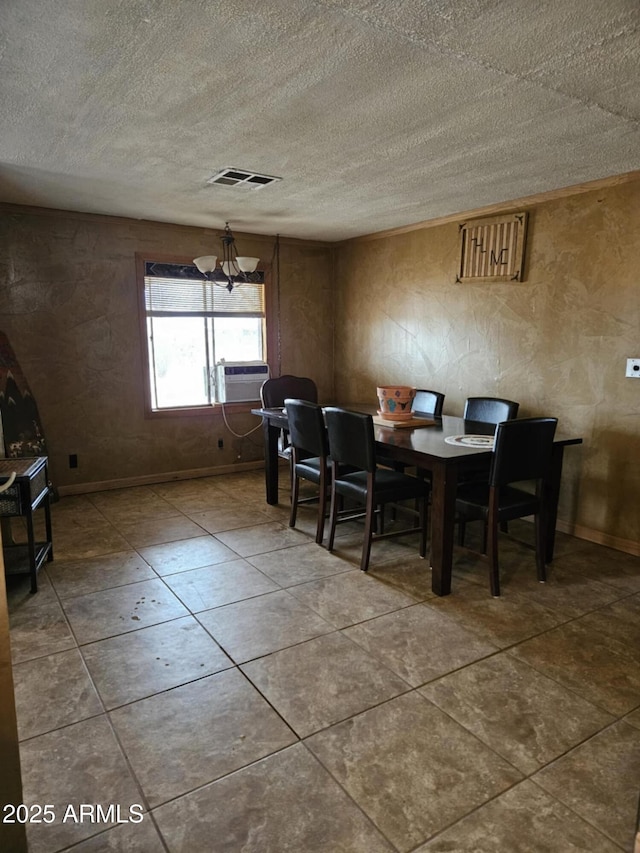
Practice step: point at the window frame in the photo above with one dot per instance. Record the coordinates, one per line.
(271, 338)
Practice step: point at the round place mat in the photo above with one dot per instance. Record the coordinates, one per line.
(484, 441)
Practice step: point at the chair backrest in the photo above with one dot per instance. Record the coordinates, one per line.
(490, 410)
(428, 403)
(522, 450)
(306, 427)
(351, 439)
(275, 391)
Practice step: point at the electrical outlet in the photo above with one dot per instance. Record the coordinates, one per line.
(633, 368)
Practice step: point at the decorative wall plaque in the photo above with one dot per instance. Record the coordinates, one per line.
(492, 249)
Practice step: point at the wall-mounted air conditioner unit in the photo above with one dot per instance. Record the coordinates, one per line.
(240, 381)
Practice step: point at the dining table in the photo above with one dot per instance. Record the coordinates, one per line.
(435, 447)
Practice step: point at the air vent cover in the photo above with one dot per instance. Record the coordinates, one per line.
(242, 179)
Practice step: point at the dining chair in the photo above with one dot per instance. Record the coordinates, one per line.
(428, 404)
(522, 452)
(490, 410)
(309, 457)
(275, 391)
(369, 487)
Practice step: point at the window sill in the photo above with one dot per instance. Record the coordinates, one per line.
(204, 411)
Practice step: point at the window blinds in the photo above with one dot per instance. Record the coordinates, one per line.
(193, 297)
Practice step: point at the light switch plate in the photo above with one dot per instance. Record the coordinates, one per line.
(633, 368)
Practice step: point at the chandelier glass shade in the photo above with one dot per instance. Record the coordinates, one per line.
(233, 268)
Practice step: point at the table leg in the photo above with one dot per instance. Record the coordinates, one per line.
(443, 505)
(270, 435)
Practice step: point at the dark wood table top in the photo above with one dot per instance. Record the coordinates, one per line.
(427, 441)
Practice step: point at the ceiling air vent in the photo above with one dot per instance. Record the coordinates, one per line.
(243, 179)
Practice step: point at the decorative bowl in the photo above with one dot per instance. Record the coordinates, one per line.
(395, 402)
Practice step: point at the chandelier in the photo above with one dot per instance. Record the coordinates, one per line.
(233, 268)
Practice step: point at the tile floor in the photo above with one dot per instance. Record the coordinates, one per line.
(188, 653)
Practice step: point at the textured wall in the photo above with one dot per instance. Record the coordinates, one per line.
(556, 342)
(68, 304)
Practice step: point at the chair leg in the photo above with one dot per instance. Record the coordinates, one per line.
(541, 547)
(368, 531)
(491, 550)
(492, 554)
(322, 508)
(333, 515)
(424, 517)
(295, 492)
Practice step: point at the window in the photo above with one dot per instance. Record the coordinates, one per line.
(190, 326)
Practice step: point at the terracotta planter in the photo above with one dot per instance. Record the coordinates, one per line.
(395, 402)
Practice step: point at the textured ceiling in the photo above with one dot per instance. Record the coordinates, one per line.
(376, 113)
